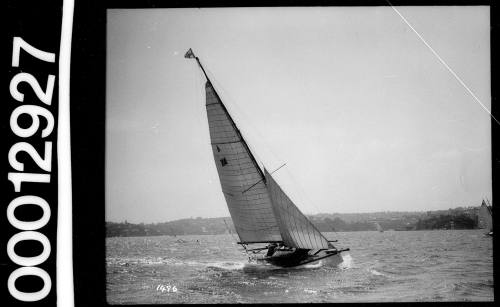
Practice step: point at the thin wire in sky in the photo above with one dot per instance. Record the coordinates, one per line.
(444, 63)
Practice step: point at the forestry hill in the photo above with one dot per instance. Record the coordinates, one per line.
(457, 218)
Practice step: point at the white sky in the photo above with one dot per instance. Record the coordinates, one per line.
(365, 116)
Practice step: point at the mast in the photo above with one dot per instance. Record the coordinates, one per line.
(251, 209)
(190, 54)
(264, 214)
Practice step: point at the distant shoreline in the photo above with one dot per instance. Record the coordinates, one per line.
(457, 218)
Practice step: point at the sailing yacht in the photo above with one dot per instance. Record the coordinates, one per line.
(486, 218)
(261, 211)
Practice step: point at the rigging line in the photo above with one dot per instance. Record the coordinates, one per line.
(488, 201)
(488, 207)
(305, 199)
(231, 233)
(252, 132)
(263, 179)
(231, 120)
(444, 63)
(253, 155)
(301, 192)
(248, 134)
(199, 85)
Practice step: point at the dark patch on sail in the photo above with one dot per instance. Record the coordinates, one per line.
(223, 161)
(218, 149)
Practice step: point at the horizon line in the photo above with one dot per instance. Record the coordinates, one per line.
(229, 217)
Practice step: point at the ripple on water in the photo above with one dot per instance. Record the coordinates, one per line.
(396, 266)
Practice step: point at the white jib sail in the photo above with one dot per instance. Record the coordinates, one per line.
(249, 203)
(296, 230)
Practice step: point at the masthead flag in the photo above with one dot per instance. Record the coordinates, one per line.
(189, 54)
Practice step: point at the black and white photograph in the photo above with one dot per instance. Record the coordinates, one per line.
(298, 155)
(215, 152)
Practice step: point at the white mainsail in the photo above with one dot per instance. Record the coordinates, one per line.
(260, 210)
(240, 177)
(296, 230)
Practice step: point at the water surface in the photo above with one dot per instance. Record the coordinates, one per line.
(389, 266)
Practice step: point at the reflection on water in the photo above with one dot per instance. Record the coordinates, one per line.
(389, 266)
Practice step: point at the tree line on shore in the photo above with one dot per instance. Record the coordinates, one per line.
(463, 218)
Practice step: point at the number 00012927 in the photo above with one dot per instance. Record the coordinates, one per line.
(41, 157)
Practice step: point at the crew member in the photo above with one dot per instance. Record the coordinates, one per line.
(271, 248)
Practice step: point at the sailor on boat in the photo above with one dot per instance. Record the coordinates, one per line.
(271, 248)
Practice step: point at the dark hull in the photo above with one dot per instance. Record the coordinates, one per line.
(300, 258)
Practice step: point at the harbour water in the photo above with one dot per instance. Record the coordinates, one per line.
(409, 266)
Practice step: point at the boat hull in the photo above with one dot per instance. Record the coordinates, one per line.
(294, 259)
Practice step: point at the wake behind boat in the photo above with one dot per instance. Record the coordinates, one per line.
(261, 211)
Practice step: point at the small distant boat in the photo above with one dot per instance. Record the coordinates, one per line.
(379, 228)
(486, 218)
(261, 211)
